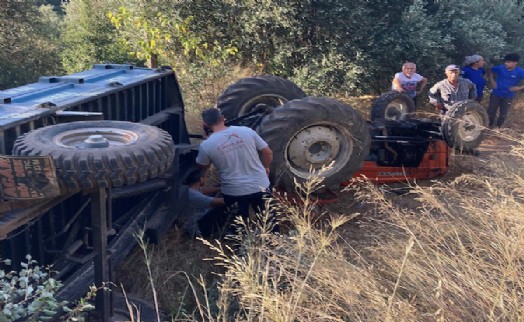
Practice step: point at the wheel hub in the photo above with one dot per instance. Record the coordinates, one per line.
(395, 110)
(470, 127)
(314, 146)
(95, 138)
(96, 141)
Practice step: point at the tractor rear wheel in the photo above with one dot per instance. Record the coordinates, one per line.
(91, 154)
(243, 96)
(313, 132)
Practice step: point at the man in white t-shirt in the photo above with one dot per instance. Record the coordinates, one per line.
(408, 81)
(242, 159)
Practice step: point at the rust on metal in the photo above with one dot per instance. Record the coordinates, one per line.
(27, 178)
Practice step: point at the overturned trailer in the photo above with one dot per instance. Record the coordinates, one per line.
(120, 147)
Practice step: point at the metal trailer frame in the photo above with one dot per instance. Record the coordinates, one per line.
(74, 231)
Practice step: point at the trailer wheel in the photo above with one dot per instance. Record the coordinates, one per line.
(91, 154)
(392, 106)
(314, 132)
(243, 96)
(464, 124)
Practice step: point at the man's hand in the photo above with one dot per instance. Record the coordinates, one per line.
(515, 88)
(441, 108)
(267, 171)
(207, 131)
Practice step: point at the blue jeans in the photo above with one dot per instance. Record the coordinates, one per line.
(500, 104)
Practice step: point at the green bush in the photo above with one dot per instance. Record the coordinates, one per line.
(28, 293)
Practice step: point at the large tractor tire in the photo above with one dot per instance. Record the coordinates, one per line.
(464, 125)
(243, 96)
(392, 106)
(91, 154)
(314, 132)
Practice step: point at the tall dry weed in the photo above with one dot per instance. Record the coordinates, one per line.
(466, 262)
(303, 275)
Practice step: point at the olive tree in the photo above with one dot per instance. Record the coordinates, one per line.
(29, 42)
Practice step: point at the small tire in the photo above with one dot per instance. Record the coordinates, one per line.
(243, 96)
(131, 152)
(464, 125)
(392, 106)
(311, 133)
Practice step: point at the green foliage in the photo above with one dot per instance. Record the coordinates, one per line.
(29, 293)
(356, 46)
(158, 34)
(29, 42)
(90, 38)
(326, 46)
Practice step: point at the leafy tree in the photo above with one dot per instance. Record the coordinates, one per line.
(89, 37)
(353, 46)
(155, 31)
(29, 42)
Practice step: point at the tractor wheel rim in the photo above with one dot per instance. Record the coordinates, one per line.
(396, 110)
(267, 99)
(82, 138)
(316, 146)
(470, 126)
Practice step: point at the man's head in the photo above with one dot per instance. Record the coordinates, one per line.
(511, 60)
(474, 60)
(212, 116)
(409, 69)
(194, 178)
(452, 72)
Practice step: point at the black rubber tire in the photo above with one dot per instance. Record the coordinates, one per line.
(244, 95)
(137, 153)
(464, 125)
(392, 106)
(331, 130)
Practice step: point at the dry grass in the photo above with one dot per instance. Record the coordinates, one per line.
(455, 254)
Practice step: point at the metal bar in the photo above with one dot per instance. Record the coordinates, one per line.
(138, 188)
(120, 246)
(102, 267)
(2, 142)
(162, 116)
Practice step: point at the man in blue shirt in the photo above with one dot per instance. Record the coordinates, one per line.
(508, 77)
(474, 71)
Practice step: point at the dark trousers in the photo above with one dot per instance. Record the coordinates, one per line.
(241, 204)
(213, 222)
(500, 104)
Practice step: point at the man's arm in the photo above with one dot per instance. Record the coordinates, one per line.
(266, 156)
(422, 84)
(397, 86)
(472, 91)
(217, 202)
(492, 80)
(516, 88)
(434, 95)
